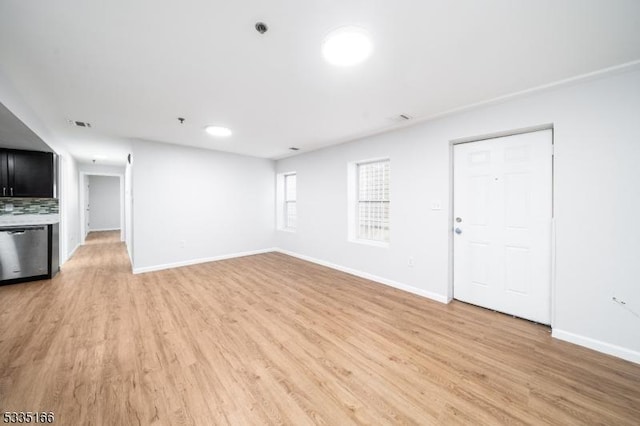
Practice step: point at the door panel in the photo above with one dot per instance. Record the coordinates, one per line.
(517, 200)
(87, 201)
(4, 178)
(479, 257)
(517, 269)
(503, 211)
(31, 174)
(479, 186)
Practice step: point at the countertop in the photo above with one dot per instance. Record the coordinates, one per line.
(28, 219)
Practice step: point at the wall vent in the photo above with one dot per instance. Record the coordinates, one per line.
(293, 148)
(79, 123)
(401, 118)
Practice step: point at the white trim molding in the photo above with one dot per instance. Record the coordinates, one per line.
(70, 255)
(597, 345)
(153, 268)
(395, 284)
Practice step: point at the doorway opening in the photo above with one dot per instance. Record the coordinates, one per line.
(102, 204)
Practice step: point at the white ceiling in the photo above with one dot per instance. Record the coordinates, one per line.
(130, 68)
(14, 134)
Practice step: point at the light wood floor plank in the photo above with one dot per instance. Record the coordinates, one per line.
(271, 339)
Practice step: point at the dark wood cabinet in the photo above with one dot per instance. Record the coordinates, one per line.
(26, 174)
(4, 176)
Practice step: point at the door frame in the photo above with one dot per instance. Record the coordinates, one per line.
(84, 179)
(450, 219)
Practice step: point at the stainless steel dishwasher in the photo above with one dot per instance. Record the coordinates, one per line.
(23, 252)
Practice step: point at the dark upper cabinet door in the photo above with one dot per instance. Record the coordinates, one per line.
(30, 174)
(4, 178)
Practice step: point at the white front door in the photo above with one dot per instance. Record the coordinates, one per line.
(502, 224)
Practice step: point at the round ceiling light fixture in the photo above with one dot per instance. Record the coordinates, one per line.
(218, 131)
(347, 46)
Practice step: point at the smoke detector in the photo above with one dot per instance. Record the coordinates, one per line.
(261, 27)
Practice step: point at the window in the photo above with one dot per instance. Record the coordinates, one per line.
(372, 209)
(290, 211)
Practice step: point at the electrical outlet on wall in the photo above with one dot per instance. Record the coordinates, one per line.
(182, 243)
(411, 262)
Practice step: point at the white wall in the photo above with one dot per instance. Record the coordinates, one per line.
(128, 210)
(100, 169)
(597, 203)
(69, 207)
(104, 203)
(191, 204)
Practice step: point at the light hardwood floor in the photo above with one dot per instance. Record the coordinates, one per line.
(271, 339)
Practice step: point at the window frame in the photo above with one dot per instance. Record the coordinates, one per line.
(355, 202)
(285, 202)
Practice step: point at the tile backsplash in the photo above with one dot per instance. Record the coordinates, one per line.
(19, 206)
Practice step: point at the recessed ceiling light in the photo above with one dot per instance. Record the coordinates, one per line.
(347, 46)
(218, 131)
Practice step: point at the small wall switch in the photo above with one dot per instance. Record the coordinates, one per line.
(8, 207)
(436, 205)
(182, 243)
(411, 262)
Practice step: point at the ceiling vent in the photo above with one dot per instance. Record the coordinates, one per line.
(79, 123)
(400, 118)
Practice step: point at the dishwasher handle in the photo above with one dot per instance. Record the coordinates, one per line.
(21, 231)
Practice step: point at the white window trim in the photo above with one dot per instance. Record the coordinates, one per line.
(286, 202)
(352, 204)
(281, 202)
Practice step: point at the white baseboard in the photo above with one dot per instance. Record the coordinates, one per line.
(400, 286)
(65, 260)
(129, 253)
(103, 230)
(73, 251)
(201, 260)
(597, 345)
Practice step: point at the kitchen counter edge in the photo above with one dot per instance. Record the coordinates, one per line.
(28, 219)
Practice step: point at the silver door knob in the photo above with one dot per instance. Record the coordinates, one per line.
(458, 231)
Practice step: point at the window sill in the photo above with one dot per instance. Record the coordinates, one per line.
(373, 243)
